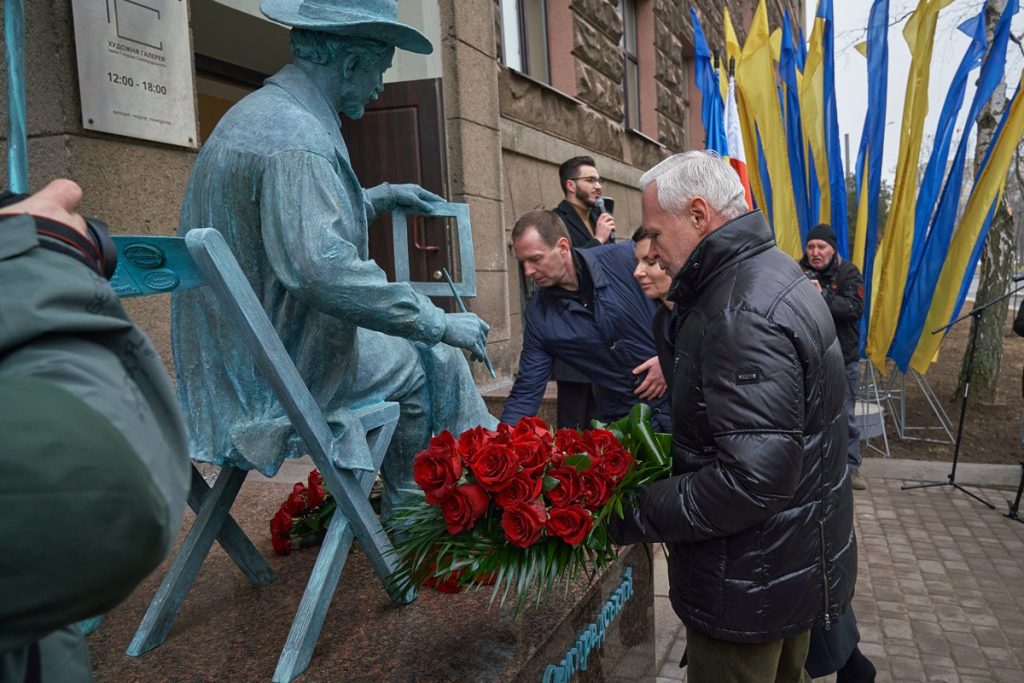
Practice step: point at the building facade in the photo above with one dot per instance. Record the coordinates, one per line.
(513, 88)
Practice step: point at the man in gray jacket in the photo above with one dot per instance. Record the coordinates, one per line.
(758, 514)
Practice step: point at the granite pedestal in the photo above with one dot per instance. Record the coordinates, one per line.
(229, 630)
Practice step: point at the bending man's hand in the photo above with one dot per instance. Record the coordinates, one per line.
(56, 201)
(466, 331)
(653, 385)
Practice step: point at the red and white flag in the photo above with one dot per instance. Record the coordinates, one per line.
(734, 138)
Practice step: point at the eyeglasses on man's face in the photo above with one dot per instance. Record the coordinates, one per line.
(592, 179)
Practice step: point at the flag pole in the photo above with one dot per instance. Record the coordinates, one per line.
(17, 144)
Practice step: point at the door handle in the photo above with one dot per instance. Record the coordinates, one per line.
(417, 237)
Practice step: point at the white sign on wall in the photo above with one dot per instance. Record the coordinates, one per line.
(135, 69)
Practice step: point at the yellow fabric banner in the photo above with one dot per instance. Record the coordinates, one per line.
(893, 259)
(755, 77)
(989, 187)
(812, 108)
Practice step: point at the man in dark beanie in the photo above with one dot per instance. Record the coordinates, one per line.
(841, 284)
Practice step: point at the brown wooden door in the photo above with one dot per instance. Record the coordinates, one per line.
(400, 139)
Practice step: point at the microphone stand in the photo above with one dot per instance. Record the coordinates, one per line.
(951, 478)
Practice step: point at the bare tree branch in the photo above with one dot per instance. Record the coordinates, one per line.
(1017, 40)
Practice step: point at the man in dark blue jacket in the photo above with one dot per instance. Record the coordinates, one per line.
(589, 313)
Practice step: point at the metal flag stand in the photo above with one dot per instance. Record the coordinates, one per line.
(896, 400)
(869, 412)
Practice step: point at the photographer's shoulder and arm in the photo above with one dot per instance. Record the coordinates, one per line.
(91, 430)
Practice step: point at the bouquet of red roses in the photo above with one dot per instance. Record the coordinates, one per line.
(303, 517)
(521, 507)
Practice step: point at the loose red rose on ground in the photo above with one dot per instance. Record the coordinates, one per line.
(596, 489)
(315, 495)
(494, 465)
(316, 492)
(282, 545)
(296, 502)
(280, 528)
(524, 523)
(466, 504)
(569, 486)
(615, 463)
(522, 487)
(571, 524)
(437, 472)
(281, 524)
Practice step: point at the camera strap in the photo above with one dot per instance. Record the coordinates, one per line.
(64, 239)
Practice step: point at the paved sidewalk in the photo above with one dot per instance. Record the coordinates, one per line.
(940, 590)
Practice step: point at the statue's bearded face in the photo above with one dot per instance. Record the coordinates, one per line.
(365, 84)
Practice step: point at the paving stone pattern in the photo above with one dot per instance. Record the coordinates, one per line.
(940, 590)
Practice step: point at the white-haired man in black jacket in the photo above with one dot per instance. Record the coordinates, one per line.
(758, 514)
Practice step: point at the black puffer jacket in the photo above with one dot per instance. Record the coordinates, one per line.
(843, 290)
(759, 512)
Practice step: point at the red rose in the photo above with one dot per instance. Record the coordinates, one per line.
(567, 442)
(596, 489)
(600, 440)
(534, 452)
(445, 443)
(472, 440)
(494, 465)
(524, 523)
(615, 463)
(569, 486)
(571, 524)
(282, 545)
(522, 487)
(445, 584)
(315, 478)
(315, 495)
(281, 524)
(533, 426)
(463, 507)
(296, 502)
(437, 472)
(280, 528)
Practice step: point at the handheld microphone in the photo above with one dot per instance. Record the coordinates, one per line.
(606, 205)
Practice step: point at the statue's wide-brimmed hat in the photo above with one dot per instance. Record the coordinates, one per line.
(377, 19)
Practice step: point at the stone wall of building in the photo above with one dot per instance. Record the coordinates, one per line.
(135, 186)
(542, 125)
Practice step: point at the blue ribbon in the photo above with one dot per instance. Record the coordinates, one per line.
(592, 637)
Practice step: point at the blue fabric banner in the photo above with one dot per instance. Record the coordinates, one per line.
(922, 282)
(872, 143)
(836, 174)
(790, 100)
(712, 111)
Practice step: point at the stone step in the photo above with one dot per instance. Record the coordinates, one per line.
(496, 396)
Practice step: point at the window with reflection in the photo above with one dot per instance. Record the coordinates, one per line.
(524, 37)
(631, 63)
